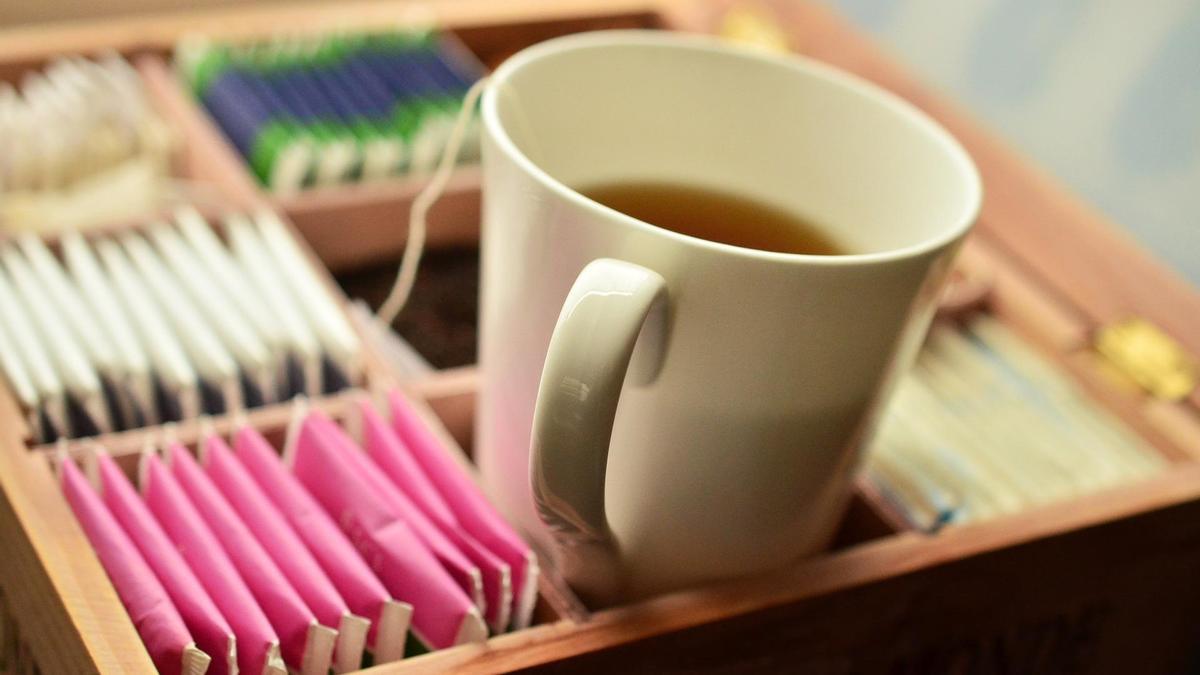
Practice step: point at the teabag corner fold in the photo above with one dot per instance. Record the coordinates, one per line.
(211, 631)
(305, 645)
(472, 510)
(363, 592)
(287, 550)
(443, 615)
(390, 457)
(132, 363)
(90, 414)
(158, 623)
(177, 383)
(257, 643)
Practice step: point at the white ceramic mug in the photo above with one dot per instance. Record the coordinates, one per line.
(700, 407)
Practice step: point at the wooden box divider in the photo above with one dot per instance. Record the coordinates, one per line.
(1101, 583)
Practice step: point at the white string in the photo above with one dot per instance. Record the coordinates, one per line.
(407, 273)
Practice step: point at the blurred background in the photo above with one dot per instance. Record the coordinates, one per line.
(1105, 94)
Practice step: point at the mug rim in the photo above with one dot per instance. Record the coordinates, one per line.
(936, 133)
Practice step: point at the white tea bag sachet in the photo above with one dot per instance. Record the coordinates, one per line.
(19, 381)
(211, 359)
(241, 290)
(50, 391)
(84, 327)
(219, 312)
(178, 379)
(131, 363)
(77, 374)
(255, 261)
(323, 313)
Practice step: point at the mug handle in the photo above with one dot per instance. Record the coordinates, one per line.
(585, 368)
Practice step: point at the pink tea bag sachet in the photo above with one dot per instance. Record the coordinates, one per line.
(305, 645)
(200, 614)
(358, 585)
(257, 643)
(389, 455)
(161, 628)
(470, 507)
(443, 613)
(287, 550)
(460, 568)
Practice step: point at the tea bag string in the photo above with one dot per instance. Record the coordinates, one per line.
(406, 275)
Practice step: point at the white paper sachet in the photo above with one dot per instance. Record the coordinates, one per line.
(132, 366)
(211, 359)
(19, 382)
(50, 391)
(255, 261)
(323, 313)
(240, 289)
(78, 375)
(176, 376)
(85, 327)
(219, 311)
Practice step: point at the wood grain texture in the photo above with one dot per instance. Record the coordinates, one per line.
(1053, 590)
(68, 614)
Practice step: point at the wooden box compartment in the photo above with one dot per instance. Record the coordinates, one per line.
(1102, 583)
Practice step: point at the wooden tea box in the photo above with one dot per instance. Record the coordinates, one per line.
(1097, 584)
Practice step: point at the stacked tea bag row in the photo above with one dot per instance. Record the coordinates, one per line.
(166, 324)
(81, 144)
(335, 108)
(984, 426)
(243, 561)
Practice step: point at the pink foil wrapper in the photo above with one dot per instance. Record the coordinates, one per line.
(200, 614)
(158, 623)
(464, 572)
(354, 579)
(257, 643)
(473, 511)
(443, 615)
(389, 454)
(285, 609)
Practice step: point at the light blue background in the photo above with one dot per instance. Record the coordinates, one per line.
(1103, 93)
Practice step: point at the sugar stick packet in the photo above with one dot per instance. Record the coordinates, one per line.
(253, 258)
(242, 292)
(178, 385)
(220, 313)
(210, 357)
(362, 590)
(286, 549)
(158, 623)
(324, 315)
(470, 507)
(257, 643)
(396, 462)
(200, 614)
(132, 366)
(304, 644)
(443, 614)
(77, 374)
(460, 568)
